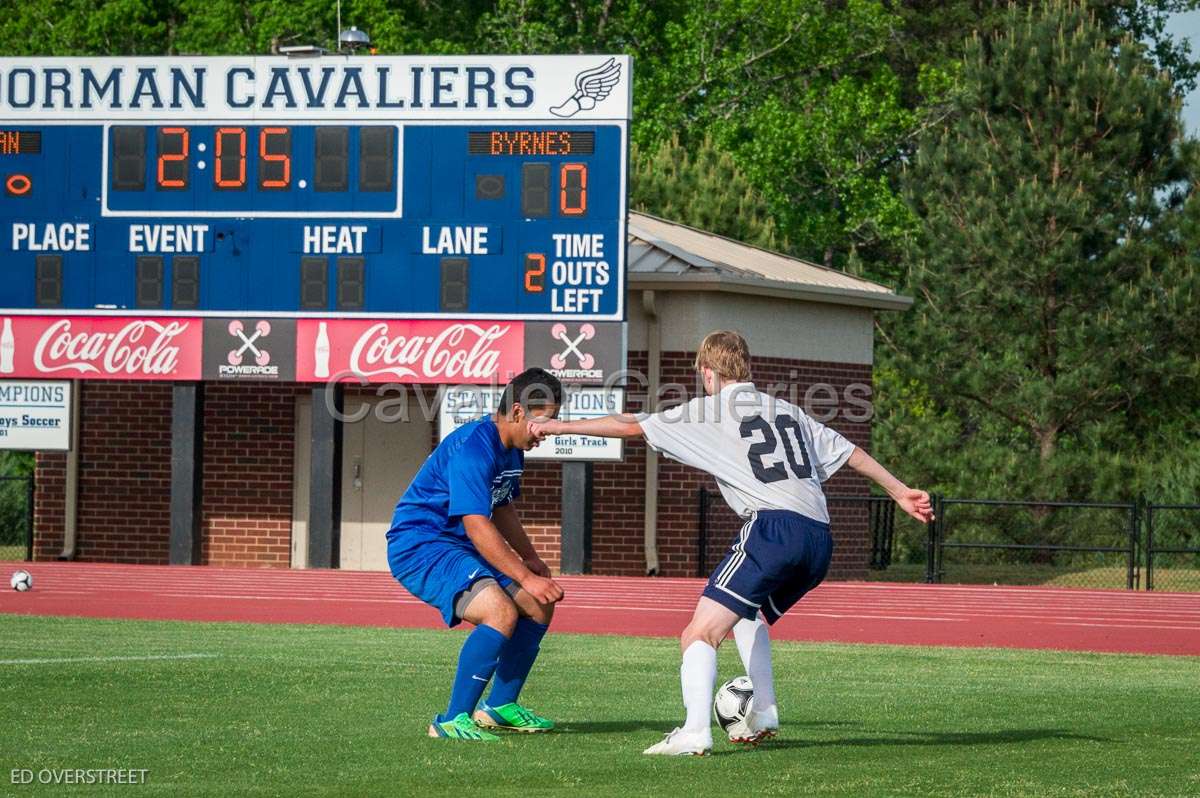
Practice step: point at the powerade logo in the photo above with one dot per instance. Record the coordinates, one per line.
(250, 349)
(582, 353)
(573, 362)
(262, 358)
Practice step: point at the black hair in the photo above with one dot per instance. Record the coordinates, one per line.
(531, 388)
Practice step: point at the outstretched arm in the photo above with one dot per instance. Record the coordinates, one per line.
(615, 426)
(914, 502)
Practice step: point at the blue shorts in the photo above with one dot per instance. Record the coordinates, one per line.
(776, 558)
(438, 571)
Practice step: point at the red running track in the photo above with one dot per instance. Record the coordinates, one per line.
(852, 612)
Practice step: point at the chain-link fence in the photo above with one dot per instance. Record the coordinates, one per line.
(16, 518)
(1173, 547)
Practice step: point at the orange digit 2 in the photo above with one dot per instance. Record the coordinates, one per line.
(535, 272)
(165, 158)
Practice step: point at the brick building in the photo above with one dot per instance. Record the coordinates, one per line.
(246, 450)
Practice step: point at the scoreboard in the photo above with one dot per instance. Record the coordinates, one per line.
(375, 187)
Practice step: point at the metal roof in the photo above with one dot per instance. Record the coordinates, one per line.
(673, 256)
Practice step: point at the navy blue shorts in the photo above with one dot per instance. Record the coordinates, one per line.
(776, 558)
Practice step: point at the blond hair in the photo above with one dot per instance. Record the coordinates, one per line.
(727, 353)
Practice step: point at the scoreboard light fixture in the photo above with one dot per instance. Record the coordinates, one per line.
(353, 39)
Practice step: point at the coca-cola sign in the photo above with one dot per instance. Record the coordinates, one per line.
(423, 350)
(100, 348)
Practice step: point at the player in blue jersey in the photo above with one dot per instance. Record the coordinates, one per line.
(457, 544)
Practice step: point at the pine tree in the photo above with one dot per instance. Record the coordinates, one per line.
(703, 188)
(1055, 282)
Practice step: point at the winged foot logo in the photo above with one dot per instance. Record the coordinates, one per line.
(591, 86)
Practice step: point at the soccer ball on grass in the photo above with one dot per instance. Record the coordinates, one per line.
(732, 706)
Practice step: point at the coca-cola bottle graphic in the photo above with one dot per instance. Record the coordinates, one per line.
(8, 347)
(321, 353)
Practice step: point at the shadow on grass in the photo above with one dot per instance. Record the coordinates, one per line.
(664, 725)
(1001, 737)
(615, 726)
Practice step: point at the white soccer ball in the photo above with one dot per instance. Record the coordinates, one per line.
(21, 581)
(732, 705)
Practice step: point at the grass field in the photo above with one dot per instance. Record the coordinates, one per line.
(306, 710)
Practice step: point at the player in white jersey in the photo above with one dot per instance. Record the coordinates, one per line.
(769, 460)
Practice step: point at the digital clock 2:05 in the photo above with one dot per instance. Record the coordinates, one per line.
(244, 155)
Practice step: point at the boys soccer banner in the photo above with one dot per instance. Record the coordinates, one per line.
(35, 416)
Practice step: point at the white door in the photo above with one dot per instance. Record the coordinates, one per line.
(301, 476)
(380, 456)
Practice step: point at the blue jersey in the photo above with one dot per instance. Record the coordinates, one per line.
(469, 473)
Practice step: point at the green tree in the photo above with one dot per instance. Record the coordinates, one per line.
(82, 27)
(799, 93)
(935, 32)
(1053, 268)
(702, 187)
(14, 503)
(237, 27)
(576, 26)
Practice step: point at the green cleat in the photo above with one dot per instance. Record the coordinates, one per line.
(511, 717)
(460, 727)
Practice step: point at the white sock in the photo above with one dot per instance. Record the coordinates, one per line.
(698, 675)
(754, 645)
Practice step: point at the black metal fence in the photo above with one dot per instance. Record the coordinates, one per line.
(988, 541)
(1076, 544)
(16, 518)
(1173, 546)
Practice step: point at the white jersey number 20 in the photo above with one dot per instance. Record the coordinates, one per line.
(793, 443)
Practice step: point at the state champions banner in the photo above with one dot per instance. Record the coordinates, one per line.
(430, 351)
